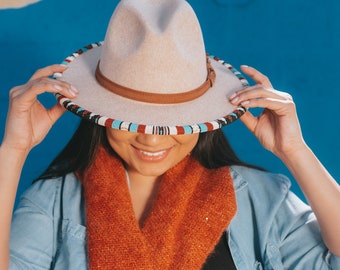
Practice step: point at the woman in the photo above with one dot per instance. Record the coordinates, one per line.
(160, 188)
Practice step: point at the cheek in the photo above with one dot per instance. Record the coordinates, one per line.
(187, 143)
(117, 139)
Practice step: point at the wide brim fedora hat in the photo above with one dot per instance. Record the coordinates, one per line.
(152, 74)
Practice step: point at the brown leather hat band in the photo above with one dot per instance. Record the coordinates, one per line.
(154, 97)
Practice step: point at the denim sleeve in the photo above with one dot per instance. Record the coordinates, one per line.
(300, 242)
(32, 240)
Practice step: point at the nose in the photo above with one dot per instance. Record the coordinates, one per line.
(149, 139)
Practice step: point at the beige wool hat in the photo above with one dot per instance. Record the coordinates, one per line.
(152, 74)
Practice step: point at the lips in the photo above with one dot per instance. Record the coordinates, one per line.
(152, 156)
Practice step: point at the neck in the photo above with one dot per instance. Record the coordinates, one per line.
(143, 191)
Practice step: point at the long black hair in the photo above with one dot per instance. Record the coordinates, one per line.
(212, 150)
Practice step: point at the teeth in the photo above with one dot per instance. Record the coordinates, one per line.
(153, 154)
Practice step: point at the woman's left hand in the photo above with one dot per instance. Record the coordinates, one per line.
(277, 127)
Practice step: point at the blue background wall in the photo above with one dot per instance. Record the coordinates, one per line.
(295, 42)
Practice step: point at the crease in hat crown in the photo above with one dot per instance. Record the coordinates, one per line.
(155, 46)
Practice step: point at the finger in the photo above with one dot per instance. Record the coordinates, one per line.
(32, 89)
(257, 92)
(249, 120)
(48, 71)
(278, 106)
(256, 75)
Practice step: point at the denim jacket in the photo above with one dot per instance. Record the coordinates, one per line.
(272, 229)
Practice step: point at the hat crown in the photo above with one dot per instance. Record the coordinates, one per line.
(154, 46)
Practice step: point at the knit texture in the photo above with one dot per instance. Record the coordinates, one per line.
(193, 207)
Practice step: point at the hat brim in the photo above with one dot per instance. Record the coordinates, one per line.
(95, 103)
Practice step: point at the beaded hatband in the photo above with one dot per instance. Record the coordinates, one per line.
(149, 129)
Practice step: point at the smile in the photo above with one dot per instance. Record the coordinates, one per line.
(152, 156)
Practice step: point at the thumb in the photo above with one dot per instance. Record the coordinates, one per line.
(56, 112)
(249, 120)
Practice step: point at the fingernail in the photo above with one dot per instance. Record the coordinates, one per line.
(234, 100)
(74, 89)
(57, 75)
(58, 87)
(232, 96)
(245, 102)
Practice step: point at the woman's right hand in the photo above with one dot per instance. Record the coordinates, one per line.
(28, 121)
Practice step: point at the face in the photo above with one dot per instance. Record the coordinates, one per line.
(150, 155)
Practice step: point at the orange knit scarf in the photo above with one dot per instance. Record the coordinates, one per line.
(193, 207)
